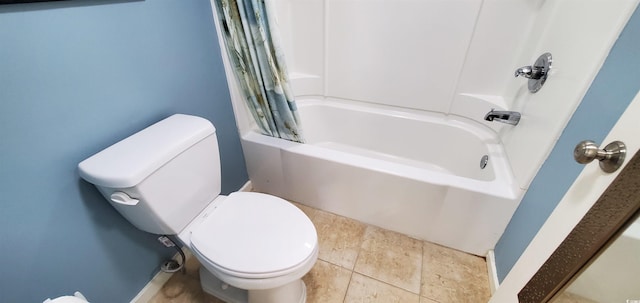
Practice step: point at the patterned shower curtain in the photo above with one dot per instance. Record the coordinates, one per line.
(254, 51)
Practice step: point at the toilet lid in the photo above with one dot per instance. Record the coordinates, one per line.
(255, 233)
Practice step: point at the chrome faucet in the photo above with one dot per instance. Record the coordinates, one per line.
(508, 117)
(536, 73)
(531, 72)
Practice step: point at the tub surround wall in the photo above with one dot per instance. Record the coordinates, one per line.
(455, 58)
(417, 57)
(77, 76)
(302, 29)
(580, 35)
(402, 53)
(500, 34)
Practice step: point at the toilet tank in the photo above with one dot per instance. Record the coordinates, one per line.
(161, 177)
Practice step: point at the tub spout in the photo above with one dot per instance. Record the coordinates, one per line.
(507, 117)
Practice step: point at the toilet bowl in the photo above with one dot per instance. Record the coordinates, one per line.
(283, 237)
(76, 298)
(166, 180)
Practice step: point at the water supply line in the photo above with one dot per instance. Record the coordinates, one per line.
(171, 266)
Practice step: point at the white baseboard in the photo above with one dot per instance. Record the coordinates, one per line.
(494, 282)
(247, 186)
(154, 286)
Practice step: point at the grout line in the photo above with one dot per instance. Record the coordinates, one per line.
(348, 285)
(353, 270)
(362, 239)
(338, 265)
(386, 283)
(421, 268)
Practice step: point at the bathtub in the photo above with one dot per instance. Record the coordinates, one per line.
(412, 172)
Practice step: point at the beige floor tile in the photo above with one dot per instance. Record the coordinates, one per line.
(367, 290)
(326, 283)
(184, 288)
(339, 238)
(453, 276)
(387, 267)
(427, 300)
(391, 258)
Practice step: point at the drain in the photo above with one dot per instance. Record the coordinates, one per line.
(484, 161)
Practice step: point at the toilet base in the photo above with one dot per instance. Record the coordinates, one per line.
(294, 292)
(221, 290)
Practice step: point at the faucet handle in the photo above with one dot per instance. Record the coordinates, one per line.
(537, 74)
(525, 71)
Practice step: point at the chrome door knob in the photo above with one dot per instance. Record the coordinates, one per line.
(611, 157)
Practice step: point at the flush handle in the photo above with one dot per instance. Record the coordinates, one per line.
(611, 156)
(124, 199)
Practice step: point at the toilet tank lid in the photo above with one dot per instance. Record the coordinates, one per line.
(128, 162)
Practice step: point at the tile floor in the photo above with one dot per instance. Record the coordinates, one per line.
(362, 263)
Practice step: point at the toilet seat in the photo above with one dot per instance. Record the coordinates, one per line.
(255, 236)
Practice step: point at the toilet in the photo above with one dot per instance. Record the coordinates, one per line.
(76, 298)
(166, 180)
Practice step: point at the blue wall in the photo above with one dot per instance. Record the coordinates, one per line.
(75, 77)
(609, 95)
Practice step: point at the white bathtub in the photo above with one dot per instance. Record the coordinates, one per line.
(412, 172)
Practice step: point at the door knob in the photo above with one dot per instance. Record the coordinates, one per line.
(611, 157)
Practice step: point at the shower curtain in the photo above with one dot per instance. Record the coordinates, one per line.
(253, 46)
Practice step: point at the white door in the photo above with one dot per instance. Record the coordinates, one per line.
(582, 194)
